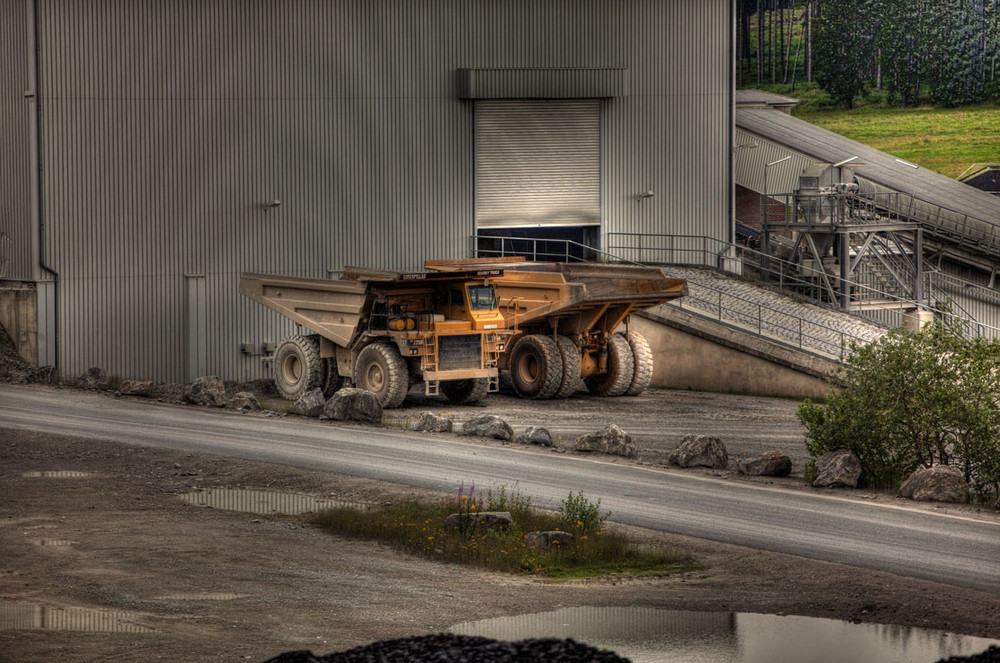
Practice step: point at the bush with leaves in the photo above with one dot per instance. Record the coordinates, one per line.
(911, 400)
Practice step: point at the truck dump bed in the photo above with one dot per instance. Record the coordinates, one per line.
(529, 291)
(330, 308)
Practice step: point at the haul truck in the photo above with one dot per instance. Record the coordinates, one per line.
(386, 331)
(568, 315)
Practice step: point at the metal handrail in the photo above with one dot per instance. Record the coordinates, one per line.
(800, 333)
(727, 251)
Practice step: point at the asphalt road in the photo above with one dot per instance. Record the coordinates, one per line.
(943, 548)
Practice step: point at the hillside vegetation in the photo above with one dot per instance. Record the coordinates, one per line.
(945, 140)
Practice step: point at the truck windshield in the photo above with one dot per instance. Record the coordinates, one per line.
(482, 297)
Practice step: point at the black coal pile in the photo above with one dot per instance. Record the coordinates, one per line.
(446, 648)
(991, 655)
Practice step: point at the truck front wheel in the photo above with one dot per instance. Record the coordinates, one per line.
(536, 367)
(381, 370)
(297, 367)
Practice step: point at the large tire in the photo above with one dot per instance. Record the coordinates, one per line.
(536, 367)
(381, 370)
(465, 392)
(332, 380)
(621, 369)
(571, 381)
(297, 367)
(642, 357)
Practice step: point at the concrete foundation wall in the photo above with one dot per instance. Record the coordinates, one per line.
(19, 318)
(688, 359)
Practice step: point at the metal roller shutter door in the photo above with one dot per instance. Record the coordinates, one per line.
(538, 163)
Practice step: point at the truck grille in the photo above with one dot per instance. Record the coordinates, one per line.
(459, 352)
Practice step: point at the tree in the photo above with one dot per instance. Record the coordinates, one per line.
(843, 47)
(914, 400)
(956, 66)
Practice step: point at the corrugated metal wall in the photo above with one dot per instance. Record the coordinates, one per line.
(15, 171)
(169, 124)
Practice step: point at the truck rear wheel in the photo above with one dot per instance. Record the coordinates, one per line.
(621, 369)
(571, 367)
(465, 392)
(381, 370)
(297, 367)
(642, 356)
(536, 367)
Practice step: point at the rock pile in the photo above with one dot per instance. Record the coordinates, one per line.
(447, 648)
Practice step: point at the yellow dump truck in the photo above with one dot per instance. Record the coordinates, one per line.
(388, 330)
(567, 316)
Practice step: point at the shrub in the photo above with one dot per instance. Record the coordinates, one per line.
(581, 516)
(915, 399)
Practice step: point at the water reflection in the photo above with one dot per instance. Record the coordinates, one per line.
(263, 502)
(58, 474)
(31, 616)
(643, 634)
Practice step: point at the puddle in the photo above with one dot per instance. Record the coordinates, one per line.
(31, 616)
(202, 596)
(59, 474)
(645, 635)
(264, 502)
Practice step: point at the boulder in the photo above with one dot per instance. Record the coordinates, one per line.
(207, 390)
(771, 464)
(700, 451)
(95, 379)
(941, 483)
(837, 468)
(484, 519)
(244, 401)
(549, 540)
(535, 435)
(351, 404)
(428, 421)
(488, 425)
(310, 404)
(135, 387)
(612, 440)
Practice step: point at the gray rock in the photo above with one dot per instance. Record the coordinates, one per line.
(352, 404)
(548, 540)
(612, 440)
(488, 425)
(310, 404)
(428, 421)
(42, 375)
(95, 379)
(771, 464)
(135, 387)
(486, 519)
(535, 435)
(700, 451)
(941, 483)
(837, 468)
(244, 401)
(207, 390)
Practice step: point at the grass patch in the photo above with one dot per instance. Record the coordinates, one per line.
(945, 140)
(419, 528)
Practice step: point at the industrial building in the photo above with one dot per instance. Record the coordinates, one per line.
(155, 150)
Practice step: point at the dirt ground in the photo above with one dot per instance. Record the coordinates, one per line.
(94, 537)
(202, 584)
